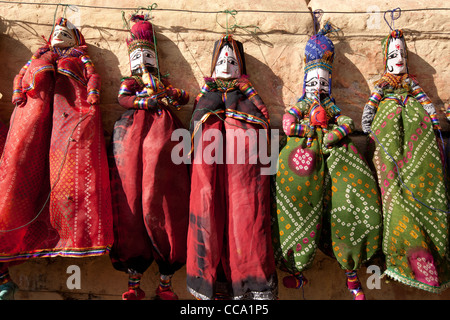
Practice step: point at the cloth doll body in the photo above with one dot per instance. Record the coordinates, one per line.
(150, 192)
(325, 193)
(229, 247)
(55, 183)
(404, 151)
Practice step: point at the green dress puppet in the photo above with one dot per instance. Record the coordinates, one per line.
(406, 153)
(326, 194)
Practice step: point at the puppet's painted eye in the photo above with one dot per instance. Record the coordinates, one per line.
(393, 55)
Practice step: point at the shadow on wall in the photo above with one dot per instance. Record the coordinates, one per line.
(107, 66)
(420, 68)
(350, 87)
(14, 56)
(268, 85)
(173, 63)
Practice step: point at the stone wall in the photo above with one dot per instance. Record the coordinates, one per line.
(274, 39)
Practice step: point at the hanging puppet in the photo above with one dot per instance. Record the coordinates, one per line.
(323, 182)
(401, 122)
(229, 253)
(54, 177)
(150, 192)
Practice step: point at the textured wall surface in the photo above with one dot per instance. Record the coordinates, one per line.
(274, 39)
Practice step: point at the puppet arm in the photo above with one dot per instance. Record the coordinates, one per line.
(129, 100)
(177, 97)
(345, 127)
(370, 109)
(291, 125)
(247, 88)
(19, 98)
(94, 83)
(421, 96)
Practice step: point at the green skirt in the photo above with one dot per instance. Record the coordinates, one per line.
(318, 189)
(410, 174)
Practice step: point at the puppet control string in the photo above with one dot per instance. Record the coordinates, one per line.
(154, 7)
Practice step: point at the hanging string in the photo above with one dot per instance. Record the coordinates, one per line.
(317, 17)
(148, 16)
(150, 8)
(393, 13)
(235, 26)
(214, 12)
(231, 13)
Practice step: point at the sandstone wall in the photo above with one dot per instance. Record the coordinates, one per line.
(274, 39)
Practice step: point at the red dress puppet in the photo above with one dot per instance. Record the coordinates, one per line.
(150, 192)
(230, 252)
(54, 178)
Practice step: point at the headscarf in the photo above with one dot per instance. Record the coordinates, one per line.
(319, 53)
(388, 79)
(238, 50)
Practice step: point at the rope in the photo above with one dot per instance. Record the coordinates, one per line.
(235, 26)
(210, 12)
(393, 17)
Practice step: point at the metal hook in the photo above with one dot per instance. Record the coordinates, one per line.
(393, 17)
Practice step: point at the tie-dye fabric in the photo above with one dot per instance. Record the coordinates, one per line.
(319, 188)
(410, 173)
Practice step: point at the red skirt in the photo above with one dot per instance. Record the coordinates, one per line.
(229, 242)
(54, 173)
(150, 193)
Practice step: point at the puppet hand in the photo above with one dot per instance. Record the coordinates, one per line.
(179, 96)
(93, 99)
(19, 99)
(288, 120)
(330, 138)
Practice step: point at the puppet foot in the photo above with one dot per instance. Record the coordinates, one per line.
(423, 266)
(295, 281)
(133, 294)
(166, 293)
(221, 296)
(354, 285)
(7, 290)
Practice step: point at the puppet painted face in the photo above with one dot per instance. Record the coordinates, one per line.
(317, 82)
(142, 56)
(63, 37)
(227, 66)
(396, 57)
